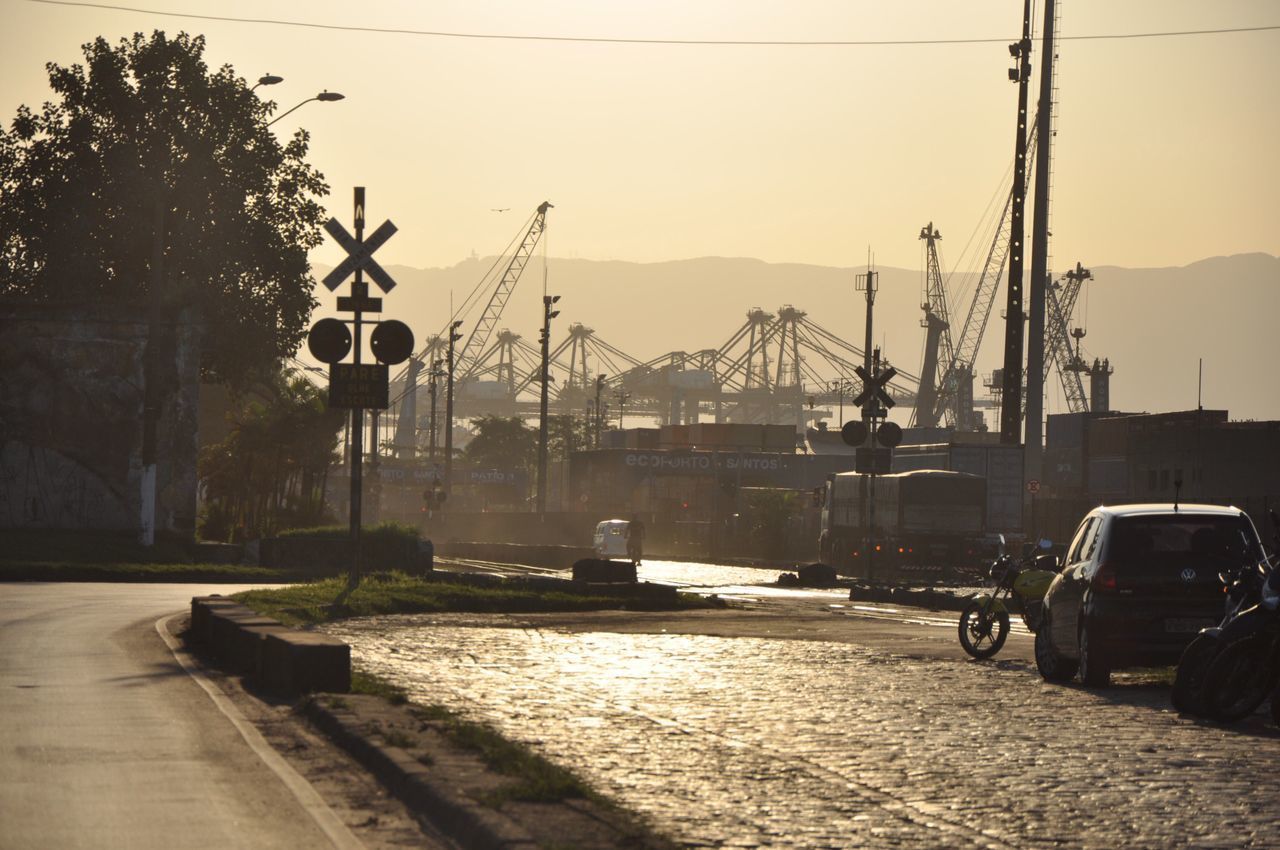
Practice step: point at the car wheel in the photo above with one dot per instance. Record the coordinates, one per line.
(1052, 666)
(1095, 667)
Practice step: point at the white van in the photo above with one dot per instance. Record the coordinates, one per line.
(610, 540)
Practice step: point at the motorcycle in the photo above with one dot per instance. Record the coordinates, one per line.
(1247, 669)
(1244, 616)
(984, 622)
(1243, 587)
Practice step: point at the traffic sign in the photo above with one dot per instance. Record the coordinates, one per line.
(853, 432)
(889, 435)
(329, 340)
(873, 460)
(873, 387)
(1033, 486)
(359, 255)
(358, 386)
(391, 342)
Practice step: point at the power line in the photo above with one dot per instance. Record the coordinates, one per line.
(645, 41)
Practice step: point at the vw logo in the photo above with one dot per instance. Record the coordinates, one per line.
(1188, 574)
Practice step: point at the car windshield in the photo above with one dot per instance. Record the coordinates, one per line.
(1209, 540)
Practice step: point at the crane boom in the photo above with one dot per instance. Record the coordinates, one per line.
(479, 338)
(937, 319)
(1061, 303)
(975, 322)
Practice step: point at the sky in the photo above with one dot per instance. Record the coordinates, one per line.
(1164, 153)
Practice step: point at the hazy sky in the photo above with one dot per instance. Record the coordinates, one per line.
(1165, 150)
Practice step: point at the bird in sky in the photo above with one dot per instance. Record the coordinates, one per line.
(504, 209)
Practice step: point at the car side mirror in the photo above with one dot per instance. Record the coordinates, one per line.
(1047, 562)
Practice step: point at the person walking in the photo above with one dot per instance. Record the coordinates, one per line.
(635, 539)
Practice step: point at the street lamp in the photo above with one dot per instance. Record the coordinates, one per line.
(325, 96)
(267, 80)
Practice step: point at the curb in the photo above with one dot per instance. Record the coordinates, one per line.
(464, 820)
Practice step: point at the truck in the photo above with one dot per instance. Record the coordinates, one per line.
(926, 522)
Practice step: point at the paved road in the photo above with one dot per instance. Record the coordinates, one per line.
(105, 741)
(833, 728)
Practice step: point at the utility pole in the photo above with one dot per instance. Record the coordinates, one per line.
(454, 336)
(1040, 255)
(621, 396)
(1011, 394)
(545, 372)
(435, 374)
(599, 412)
(869, 283)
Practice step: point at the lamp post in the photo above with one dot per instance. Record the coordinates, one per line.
(325, 96)
(454, 336)
(267, 80)
(547, 315)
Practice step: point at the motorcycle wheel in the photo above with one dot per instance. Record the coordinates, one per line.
(1052, 666)
(1193, 666)
(981, 636)
(1095, 667)
(1238, 680)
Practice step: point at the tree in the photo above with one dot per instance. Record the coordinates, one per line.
(270, 472)
(502, 442)
(567, 433)
(147, 149)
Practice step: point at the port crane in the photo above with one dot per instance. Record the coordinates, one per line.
(474, 347)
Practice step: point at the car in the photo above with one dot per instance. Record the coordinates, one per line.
(1137, 583)
(610, 539)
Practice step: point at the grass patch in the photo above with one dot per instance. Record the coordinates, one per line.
(536, 779)
(367, 683)
(398, 593)
(23, 546)
(52, 570)
(381, 531)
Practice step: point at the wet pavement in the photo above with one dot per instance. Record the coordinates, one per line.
(733, 741)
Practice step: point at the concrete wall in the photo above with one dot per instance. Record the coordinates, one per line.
(71, 398)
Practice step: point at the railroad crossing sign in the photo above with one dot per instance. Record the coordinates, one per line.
(359, 255)
(873, 387)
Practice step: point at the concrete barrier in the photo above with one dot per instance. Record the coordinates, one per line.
(602, 570)
(301, 662)
(268, 652)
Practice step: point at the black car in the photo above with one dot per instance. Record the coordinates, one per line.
(1136, 585)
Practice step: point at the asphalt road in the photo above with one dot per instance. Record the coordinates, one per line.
(106, 741)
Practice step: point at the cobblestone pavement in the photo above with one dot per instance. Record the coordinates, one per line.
(749, 742)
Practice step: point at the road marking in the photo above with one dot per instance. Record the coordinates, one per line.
(311, 801)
